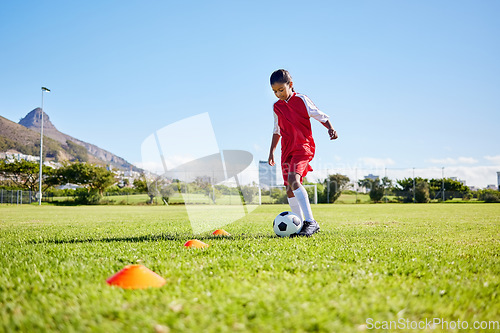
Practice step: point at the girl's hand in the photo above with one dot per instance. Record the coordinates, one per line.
(332, 133)
(270, 160)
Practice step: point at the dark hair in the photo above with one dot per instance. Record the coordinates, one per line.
(281, 76)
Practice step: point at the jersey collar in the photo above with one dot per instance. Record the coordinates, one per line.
(294, 93)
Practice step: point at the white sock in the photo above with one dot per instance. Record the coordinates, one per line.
(294, 205)
(303, 199)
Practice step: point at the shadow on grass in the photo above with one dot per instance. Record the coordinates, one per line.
(77, 203)
(64, 203)
(150, 238)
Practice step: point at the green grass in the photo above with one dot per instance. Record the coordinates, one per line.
(142, 199)
(383, 262)
(351, 198)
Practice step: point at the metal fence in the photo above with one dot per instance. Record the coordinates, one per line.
(250, 196)
(17, 197)
(275, 195)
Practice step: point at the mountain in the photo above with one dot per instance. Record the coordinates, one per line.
(33, 121)
(18, 138)
(25, 138)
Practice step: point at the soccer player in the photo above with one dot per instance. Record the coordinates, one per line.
(293, 126)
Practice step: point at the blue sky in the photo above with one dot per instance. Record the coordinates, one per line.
(408, 84)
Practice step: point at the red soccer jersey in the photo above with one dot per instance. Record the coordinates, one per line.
(293, 124)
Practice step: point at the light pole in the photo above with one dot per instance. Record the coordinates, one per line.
(413, 185)
(356, 186)
(41, 153)
(442, 184)
(385, 176)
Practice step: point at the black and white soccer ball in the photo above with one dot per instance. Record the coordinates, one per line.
(286, 224)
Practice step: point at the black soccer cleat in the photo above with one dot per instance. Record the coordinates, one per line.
(308, 229)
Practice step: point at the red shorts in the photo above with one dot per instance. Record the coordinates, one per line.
(298, 164)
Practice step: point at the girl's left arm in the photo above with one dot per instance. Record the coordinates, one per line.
(331, 131)
(320, 116)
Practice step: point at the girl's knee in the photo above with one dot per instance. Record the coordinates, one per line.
(293, 180)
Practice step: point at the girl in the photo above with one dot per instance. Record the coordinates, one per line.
(292, 125)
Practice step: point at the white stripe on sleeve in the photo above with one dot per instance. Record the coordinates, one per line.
(276, 129)
(313, 110)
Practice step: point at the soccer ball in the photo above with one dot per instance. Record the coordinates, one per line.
(286, 224)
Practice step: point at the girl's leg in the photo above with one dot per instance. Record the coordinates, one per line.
(299, 192)
(294, 203)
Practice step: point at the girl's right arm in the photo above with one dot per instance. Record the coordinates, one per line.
(274, 144)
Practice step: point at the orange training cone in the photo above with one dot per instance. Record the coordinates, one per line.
(195, 243)
(136, 277)
(221, 232)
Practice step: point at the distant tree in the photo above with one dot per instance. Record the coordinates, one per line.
(165, 190)
(248, 192)
(489, 196)
(140, 184)
(278, 195)
(24, 174)
(405, 188)
(157, 187)
(93, 177)
(225, 190)
(334, 185)
(452, 189)
(387, 183)
(203, 185)
(375, 187)
(422, 191)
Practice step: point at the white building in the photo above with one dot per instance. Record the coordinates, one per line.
(15, 156)
(267, 175)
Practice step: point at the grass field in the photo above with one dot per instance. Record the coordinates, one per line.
(142, 199)
(386, 262)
